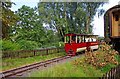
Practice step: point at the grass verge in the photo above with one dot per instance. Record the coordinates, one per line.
(17, 62)
(69, 70)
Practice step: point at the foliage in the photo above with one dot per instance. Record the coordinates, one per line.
(27, 45)
(100, 38)
(28, 27)
(9, 45)
(91, 9)
(69, 17)
(105, 58)
(0, 44)
(8, 17)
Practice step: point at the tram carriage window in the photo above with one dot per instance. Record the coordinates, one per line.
(67, 39)
(78, 39)
(92, 39)
(88, 39)
(95, 39)
(116, 17)
(82, 38)
(73, 40)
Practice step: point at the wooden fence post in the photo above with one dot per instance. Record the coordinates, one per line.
(57, 50)
(113, 70)
(111, 74)
(119, 70)
(34, 52)
(47, 52)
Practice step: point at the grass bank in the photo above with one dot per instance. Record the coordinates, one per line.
(17, 62)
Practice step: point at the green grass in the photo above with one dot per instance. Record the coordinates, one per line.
(107, 68)
(69, 70)
(79, 67)
(17, 62)
(117, 57)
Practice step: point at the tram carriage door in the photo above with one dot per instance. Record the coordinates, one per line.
(119, 26)
(116, 24)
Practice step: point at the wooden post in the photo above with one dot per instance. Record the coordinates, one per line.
(18, 54)
(34, 52)
(46, 51)
(119, 68)
(58, 50)
(113, 72)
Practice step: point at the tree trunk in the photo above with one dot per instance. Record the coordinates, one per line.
(87, 24)
(4, 31)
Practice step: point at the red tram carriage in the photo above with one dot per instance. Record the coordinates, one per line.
(75, 43)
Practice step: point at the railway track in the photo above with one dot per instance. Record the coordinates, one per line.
(16, 71)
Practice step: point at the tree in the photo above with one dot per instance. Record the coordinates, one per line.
(91, 8)
(8, 17)
(69, 17)
(29, 26)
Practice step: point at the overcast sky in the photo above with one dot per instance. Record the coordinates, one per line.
(98, 23)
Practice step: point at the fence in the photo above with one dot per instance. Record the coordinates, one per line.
(30, 53)
(114, 73)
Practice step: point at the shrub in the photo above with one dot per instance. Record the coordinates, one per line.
(104, 57)
(58, 44)
(25, 44)
(9, 45)
(0, 44)
(61, 44)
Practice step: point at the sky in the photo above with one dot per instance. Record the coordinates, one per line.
(98, 23)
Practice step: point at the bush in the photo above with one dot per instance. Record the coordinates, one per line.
(56, 44)
(27, 45)
(0, 44)
(61, 44)
(9, 45)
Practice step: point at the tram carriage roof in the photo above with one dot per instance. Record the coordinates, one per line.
(72, 34)
(114, 8)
